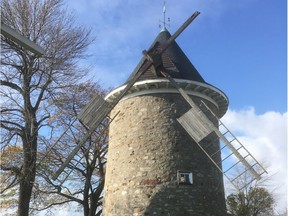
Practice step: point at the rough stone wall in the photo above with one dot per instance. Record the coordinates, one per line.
(146, 148)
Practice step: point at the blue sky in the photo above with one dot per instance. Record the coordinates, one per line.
(237, 46)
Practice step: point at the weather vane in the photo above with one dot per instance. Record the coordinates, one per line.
(164, 18)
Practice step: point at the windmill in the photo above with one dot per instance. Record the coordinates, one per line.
(201, 121)
(98, 109)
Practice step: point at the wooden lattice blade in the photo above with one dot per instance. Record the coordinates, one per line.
(196, 118)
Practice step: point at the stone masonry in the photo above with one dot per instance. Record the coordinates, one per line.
(147, 147)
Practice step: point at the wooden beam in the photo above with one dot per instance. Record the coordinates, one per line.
(21, 40)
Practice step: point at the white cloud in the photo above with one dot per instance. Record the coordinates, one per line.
(124, 28)
(265, 136)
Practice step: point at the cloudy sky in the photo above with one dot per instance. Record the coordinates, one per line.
(237, 46)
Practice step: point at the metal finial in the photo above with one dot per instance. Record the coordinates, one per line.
(164, 18)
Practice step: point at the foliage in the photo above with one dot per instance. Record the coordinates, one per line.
(254, 199)
(10, 160)
(28, 81)
(258, 201)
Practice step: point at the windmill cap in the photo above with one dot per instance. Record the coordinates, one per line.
(178, 66)
(174, 60)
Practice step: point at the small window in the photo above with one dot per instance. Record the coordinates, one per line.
(185, 177)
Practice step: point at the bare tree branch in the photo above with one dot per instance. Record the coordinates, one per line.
(29, 81)
(11, 85)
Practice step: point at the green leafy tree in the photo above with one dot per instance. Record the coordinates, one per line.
(258, 201)
(254, 199)
(28, 81)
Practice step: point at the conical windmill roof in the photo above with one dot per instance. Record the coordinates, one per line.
(179, 67)
(175, 62)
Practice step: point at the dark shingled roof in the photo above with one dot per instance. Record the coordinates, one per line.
(175, 62)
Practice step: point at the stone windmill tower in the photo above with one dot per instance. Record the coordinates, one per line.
(154, 166)
(164, 155)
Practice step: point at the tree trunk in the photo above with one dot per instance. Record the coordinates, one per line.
(86, 191)
(27, 179)
(28, 172)
(95, 197)
(25, 192)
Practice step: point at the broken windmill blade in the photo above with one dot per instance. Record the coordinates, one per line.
(199, 127)
(104, 107)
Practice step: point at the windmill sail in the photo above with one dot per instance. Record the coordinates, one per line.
(96, 123)
(198, 126)
(94, 112)
(195, 128)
